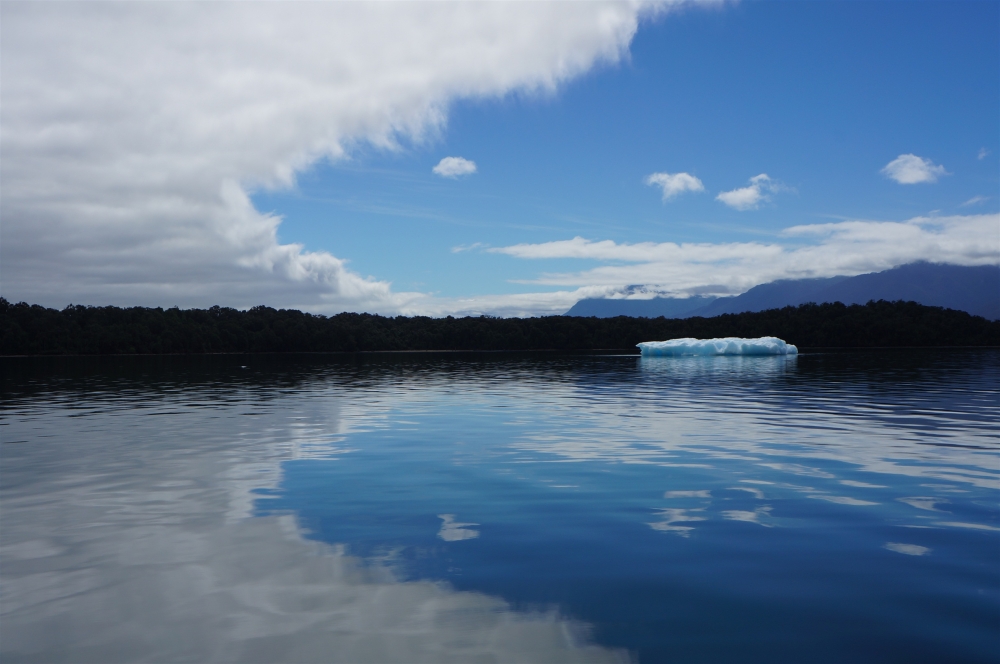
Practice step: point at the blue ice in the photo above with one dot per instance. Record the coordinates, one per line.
(723, 346)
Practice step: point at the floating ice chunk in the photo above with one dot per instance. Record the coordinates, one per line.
(724, 346)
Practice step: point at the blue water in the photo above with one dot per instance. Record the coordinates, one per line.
(457, 507)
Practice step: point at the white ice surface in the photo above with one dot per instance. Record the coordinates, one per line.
(724, 346)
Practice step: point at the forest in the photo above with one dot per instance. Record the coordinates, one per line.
(87, 330)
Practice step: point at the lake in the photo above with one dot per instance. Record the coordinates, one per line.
(829, 507)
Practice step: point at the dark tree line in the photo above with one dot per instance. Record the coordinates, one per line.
(82, 330)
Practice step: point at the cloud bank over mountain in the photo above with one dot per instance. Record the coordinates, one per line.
(645, 270)
(843, 248)
(133, 132)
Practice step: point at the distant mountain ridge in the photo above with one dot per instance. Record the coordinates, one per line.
(975, 290)
(668, 307)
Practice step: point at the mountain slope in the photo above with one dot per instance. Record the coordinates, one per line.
(668, 307)
(975, 290)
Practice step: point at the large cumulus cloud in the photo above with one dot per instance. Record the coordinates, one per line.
(132, 132)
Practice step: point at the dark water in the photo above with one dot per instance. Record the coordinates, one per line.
(837, 507)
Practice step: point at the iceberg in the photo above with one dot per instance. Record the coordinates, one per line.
(723, 346)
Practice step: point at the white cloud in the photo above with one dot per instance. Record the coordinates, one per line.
(976, 200)
(746, 198)
(750, 197)
(452, 167)
(674, 184)
(983, 152)
(132, 132)
(509, 304)
(911, 169)
(817, 250)
(467, 247)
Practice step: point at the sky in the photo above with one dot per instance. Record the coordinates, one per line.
(499, 158)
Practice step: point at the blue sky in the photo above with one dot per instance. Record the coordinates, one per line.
(194, 154)
(819, 96)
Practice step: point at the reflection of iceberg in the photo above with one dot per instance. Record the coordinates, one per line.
(723, 346)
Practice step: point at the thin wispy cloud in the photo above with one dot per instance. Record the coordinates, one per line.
(454, 167)
(750, 197)
(467, 247)
(976, 200)
(983, 153)
(675, 184)
(911, 169)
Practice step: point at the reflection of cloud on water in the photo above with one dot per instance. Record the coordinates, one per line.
(757, 493)
(140, 547)
(748, 409)
(132, 548)
(843, 500)
(819, 494)
(961, 524)
(256, 591)
(907, 549)
(672, 516)
(798, 469)
(687, 494)
(749, 517)
(944, 488)
(453, 531)
(923, 503)
(713, 411)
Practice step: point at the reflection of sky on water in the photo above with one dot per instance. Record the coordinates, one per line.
(283, 512)
(758, 409)
(130, 544)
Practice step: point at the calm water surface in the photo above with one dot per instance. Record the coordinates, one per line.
(838, 507)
